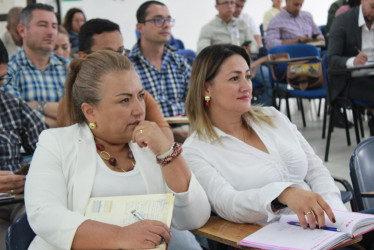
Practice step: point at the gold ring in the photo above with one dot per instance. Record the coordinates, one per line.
(308, 212)
(141, 131)
(11, 191)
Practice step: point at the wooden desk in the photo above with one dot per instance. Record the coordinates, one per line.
(177, 120)
(226, 232)
(17, 199)
(230, 233)
(367, 194)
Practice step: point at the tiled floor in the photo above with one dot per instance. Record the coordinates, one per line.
(340, 153)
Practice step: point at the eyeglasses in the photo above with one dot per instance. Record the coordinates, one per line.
(159, 22)
(5, 79)
(227, 3)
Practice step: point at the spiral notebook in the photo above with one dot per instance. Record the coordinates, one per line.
(281, 235)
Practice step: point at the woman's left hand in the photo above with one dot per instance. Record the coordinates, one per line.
(310, 207)
(149, 134)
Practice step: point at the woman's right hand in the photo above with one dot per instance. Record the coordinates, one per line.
(144, 234)
(307, 204)
(9, 181)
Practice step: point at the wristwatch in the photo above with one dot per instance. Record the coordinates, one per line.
(41, 106)
(277, 205)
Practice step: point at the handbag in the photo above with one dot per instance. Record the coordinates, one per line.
(302, 75)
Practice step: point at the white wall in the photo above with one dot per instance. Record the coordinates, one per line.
(190, 15)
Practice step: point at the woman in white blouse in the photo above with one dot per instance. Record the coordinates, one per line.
(252, 161)
(110, 151)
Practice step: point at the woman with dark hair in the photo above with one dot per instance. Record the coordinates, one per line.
(252, 161)
(73, 21)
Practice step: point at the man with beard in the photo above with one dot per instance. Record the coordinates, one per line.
(38, 75)
(351, 44)
(163, 73)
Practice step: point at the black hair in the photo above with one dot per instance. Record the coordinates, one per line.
(141, 13)
(4, 58)
(26, 14)
(93, 27)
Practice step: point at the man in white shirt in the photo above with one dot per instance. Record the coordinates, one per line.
(11, 38)
(253, 27)
(351, 43)
(220, 29)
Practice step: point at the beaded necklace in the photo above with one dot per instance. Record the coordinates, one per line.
(112, 160)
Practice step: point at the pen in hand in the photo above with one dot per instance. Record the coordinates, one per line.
(358, 50)
(137, 215)
(296, 223)
(140, 218)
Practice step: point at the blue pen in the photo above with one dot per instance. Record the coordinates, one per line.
(296, 223)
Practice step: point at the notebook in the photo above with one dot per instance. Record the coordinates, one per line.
(281, 235)
(117, 210)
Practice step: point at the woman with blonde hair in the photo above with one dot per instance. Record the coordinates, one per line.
(110, 151)
(252, 161)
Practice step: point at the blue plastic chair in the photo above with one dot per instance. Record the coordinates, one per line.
(296, 50)
(20, 234)
(362, 172)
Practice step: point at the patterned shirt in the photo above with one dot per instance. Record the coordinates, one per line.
(19, 126)
(285, 26)
(218, 31)
(169, 86)
(31, 84)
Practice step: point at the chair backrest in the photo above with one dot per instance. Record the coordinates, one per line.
(20, 234)
(362, 172)
(294, 50)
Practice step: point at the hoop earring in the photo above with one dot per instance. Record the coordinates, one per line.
(207, 101)
(92, 125)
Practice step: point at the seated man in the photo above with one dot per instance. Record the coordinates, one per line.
(350, 45)
(219, 31)
(38, 75)
(97, 34)
(20, 126)
(272, 12)
(163, 73)
(292, 25)
(253, 27)
(225, 28)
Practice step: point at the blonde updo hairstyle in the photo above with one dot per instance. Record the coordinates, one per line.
(204, 69)
(83, 84)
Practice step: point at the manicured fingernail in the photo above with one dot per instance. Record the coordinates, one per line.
(333, 220)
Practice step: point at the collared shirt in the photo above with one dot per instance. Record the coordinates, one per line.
(9, 44)
(169, 86)
(367, 46)
(218, 31)
(268, 16)
(19, 126)
(285, 26)
(32, 84)
(241, 180)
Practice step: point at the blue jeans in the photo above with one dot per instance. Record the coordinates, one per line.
(265, 98)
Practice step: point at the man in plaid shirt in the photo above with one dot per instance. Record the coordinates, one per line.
(19, 126)
(38, 75)
(164, 74)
